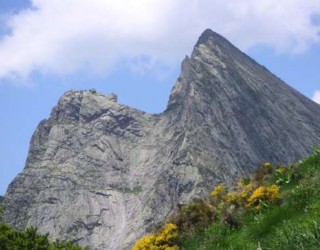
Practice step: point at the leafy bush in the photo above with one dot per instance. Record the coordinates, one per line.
(263, 173)
(29, 239)
(194, 217)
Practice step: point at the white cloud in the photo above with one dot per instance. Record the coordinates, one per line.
(316, 96)
(65, 36)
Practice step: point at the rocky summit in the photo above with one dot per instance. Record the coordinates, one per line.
(102, 174)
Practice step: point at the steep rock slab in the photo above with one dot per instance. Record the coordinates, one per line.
(231, 105)
(102, 174)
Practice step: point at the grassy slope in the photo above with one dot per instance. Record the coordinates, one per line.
(292, 224)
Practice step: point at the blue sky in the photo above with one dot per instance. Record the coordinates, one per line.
(134, 49)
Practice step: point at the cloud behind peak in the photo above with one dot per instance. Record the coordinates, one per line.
(63, 37)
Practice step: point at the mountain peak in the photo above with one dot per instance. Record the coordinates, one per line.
(96, 165)
(213, 56)
(207, 35)
(210, 38)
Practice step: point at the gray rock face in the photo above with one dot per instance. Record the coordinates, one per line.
(1, 201)
(102, 174)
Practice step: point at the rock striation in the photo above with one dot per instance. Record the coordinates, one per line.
(102, 174)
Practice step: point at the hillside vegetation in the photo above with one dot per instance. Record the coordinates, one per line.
(277, 208)
(30, 239)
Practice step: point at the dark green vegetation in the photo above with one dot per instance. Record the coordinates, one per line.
(289, 221)
(30, 239)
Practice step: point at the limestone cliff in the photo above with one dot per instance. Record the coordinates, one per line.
(102, 174)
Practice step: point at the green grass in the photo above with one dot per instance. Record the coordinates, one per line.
(292, 224)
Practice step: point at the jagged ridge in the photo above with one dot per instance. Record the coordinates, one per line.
(101, 173)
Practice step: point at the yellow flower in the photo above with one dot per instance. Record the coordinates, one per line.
(267, 165)
(218, 190)
(246, 190)
(168, 233)
(281, 170)
(145, 243)
(243, 194)
(169, 227)
(231, 197)
(273, 192)
(259, 193)
(263, 195)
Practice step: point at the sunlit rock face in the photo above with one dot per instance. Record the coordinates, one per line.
(102, 174)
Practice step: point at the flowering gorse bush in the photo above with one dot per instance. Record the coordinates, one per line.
(245, 191)
(224, 206)
(263, 196)
(146, 242)
(167, 235)
(218, 191)
(248, 195)
(164, 240)
(231, 198)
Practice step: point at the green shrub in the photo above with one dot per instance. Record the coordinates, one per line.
(30, 239)
(194, 217)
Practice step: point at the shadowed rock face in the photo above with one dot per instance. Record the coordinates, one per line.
(102, 174)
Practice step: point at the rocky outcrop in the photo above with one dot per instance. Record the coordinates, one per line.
(102, 174)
